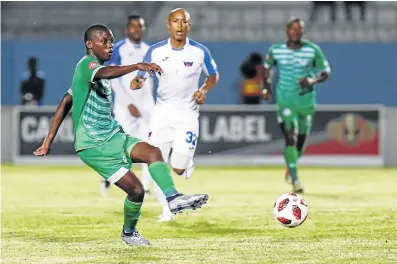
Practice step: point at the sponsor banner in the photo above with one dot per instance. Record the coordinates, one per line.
(33, 127)
(255, 132)
(243, 135)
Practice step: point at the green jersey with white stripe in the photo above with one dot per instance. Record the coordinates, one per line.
(292, 65)
(93, 123)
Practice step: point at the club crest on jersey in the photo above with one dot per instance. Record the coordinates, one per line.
(93, 65)
(188, 63)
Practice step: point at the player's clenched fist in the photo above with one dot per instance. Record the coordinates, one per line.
(306, 82)
(149, 67)
(199, 96)
(137, 83)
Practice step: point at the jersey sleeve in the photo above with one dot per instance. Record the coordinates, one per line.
(147, 59)
(269, 59)
(209, 65)
(70, 91)
(320, 62)
(88, 68)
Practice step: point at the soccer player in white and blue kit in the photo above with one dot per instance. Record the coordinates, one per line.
(174, 125)
(132, 108)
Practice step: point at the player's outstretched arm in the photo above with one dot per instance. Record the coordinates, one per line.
(111, 72)
(209, 83)
(62, 110)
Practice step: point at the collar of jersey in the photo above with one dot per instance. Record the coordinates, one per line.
(175, 49)
(137, 46)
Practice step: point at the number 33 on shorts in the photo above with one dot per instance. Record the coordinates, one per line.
(191, 139)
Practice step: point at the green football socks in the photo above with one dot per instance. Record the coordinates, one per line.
(132, 211)
(300, 153)
(162, 176)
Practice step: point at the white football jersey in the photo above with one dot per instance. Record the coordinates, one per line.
(126, 53)
(182, 70)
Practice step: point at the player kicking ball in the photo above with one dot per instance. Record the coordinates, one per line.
(100, 142)
(301, 65)
(174, 125)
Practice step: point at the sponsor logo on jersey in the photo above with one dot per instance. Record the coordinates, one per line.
(150, 134)
(166, 58)
(93, 65)
(188, 63)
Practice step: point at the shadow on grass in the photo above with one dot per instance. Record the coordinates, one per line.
(205, 227)
(334, 196)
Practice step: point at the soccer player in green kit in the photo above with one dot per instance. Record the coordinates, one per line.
(301, 65)
(99, 140)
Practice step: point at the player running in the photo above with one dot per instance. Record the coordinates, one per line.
(100, 141)
(132, 109)
(301, 65)
(174, 126)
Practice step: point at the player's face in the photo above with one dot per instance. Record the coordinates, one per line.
(135, 30)
(179, 25)
(295, 31)
(102, 45)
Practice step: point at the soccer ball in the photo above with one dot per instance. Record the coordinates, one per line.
(290, 210)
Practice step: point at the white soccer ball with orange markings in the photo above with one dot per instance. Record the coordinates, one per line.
(290, 210)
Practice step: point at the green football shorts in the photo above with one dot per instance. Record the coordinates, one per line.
(111, 159)
(299, 119)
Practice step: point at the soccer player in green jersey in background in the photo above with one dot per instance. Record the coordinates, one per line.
(301, 64)
(99, 140)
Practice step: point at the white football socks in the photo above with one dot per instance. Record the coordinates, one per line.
(190, 169)
(161, 199)
(146, 177)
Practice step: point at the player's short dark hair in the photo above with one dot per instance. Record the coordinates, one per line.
(133, 17)
(94, 28)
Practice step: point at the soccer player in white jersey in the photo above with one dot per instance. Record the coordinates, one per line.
(132, 108)
(174, 125)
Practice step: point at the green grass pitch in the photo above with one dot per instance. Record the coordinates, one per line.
(55, 215)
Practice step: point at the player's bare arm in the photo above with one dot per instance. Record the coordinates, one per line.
(112, 72)
(62, 110)
(209, 83)
(266, 92)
